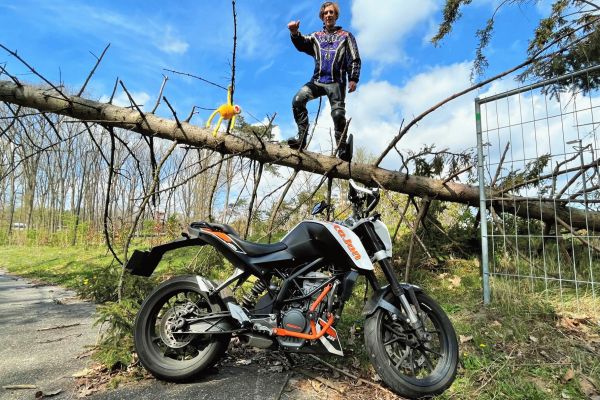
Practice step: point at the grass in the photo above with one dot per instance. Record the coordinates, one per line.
(73, 267)
(62, 266)
(522, 346)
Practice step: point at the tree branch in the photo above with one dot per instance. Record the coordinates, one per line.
(282, 155)
(92, 71)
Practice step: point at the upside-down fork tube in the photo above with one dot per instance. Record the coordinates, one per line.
(313, 326)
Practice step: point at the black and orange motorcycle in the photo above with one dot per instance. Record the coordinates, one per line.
(298, 290)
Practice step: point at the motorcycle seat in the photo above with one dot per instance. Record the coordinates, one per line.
(250, 248)
(258, 249)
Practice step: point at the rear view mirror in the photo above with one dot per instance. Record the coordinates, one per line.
(319, 207)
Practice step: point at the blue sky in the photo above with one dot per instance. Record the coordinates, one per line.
(403, 74)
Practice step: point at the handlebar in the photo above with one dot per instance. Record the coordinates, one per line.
(359, 188)
(358, 195)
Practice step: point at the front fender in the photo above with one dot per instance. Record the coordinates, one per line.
(143, 263)
(378, 300)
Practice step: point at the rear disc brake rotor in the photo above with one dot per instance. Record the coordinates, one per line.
(172, 321)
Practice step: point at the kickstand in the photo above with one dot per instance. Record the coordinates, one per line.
(289, 358)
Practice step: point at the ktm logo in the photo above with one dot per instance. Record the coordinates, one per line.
(348, 242)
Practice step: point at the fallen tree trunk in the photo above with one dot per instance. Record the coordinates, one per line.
(49, 100)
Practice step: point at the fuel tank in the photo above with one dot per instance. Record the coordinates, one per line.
(311, 239)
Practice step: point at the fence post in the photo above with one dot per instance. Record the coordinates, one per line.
(482, 207)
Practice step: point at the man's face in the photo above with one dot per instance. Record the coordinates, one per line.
(329, 17)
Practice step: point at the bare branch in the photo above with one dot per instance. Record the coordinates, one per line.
(13, 78)
(195, 77)
(578, 237)
(15, 55)
(155, 181)
(160, 93)
(281, 155)
(457, 173)
(189, 118)
(422, 212)
(105, 218)
(500, 163)
(174, 113)
(92, 71)
(112, 95)
(290, 181)
(253, 198)
(214, 188)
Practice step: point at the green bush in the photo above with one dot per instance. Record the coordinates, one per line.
(102, 286)
(116, 320)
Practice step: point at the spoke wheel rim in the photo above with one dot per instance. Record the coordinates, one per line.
(166, 343)
(409, 356)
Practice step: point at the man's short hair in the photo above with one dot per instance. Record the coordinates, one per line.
(336, 8)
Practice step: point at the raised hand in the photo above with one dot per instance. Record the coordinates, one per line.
(293, 26)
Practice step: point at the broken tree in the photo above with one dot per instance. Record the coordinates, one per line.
(54, 101)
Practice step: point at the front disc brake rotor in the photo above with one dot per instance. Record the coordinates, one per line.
(402, 352)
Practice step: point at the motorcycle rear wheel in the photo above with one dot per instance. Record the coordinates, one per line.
(164, 352)
(411, 367)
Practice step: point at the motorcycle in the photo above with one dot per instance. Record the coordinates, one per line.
(299, 287)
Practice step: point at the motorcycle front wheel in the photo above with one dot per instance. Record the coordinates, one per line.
(161, 347)
(411, 366)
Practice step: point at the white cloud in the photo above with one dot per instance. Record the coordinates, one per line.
(377, 109)
(432, 29)
(544, 7)
(253, 33)
(533, 124)
(264, 67)
(172, 44)
(382, 26)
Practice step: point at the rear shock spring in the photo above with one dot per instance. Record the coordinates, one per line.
(249, 299)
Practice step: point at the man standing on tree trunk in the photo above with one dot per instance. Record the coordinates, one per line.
(336, 55)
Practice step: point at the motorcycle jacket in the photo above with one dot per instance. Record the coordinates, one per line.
(335, 54)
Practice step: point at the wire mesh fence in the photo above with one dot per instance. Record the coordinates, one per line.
(539, 183)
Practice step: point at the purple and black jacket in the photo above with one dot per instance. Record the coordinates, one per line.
(335, 54)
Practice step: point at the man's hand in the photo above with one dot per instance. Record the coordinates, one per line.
(351, 86)
(293, 26)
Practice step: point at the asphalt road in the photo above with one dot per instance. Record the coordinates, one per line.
(45, 331)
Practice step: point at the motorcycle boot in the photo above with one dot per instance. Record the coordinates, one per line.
(344, 145)
(306, 93)
(298, 142)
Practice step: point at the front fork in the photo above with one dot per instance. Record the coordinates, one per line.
(401, 294)
(388, 270)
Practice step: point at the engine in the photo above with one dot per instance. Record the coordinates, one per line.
(295, 317)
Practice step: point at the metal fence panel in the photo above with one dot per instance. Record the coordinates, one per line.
(539, 149)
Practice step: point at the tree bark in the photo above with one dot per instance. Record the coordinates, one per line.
(48, 100)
